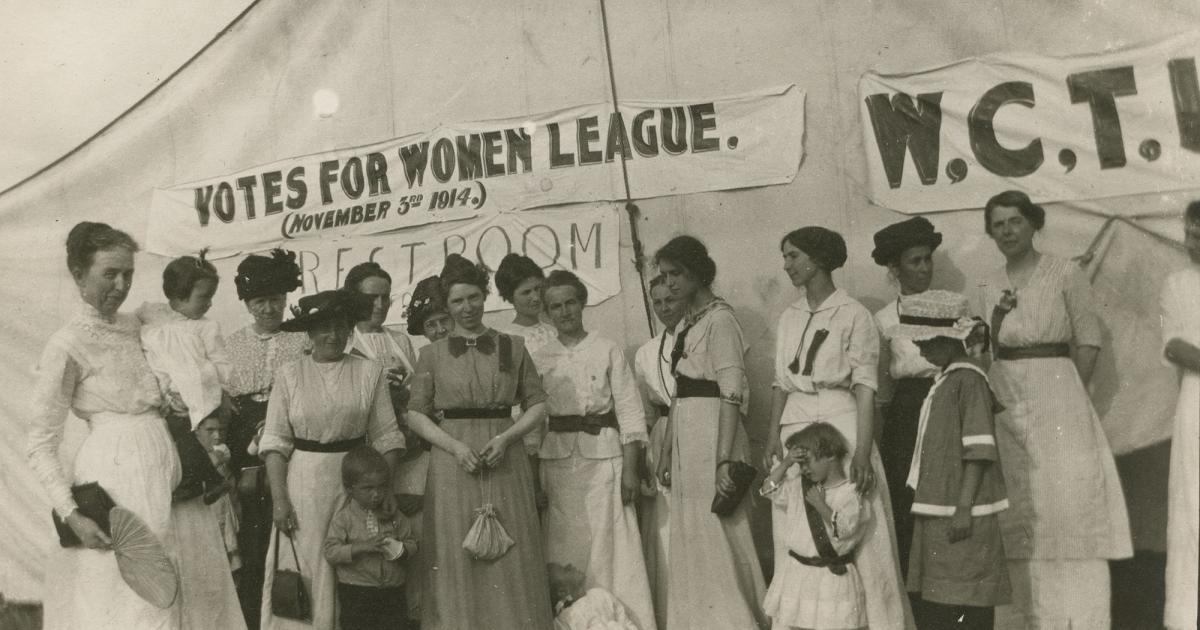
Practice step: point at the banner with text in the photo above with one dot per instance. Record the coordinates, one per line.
(1059, 128)
(583, 240)
(477, 168)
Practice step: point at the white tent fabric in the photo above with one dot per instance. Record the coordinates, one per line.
(400, 67)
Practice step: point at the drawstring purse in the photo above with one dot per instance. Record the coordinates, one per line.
(487, 539)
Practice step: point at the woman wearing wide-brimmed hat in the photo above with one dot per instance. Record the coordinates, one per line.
(322, 405)
(470, 380)
(906, 250)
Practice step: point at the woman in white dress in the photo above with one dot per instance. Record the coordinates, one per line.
(652, 366)
(1181, 348)
(714, 580)
(826, 370)
(1067, 516)
(321, 406)
(592, 452)
(94, 367)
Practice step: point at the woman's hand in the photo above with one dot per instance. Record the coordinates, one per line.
(861, 472)
(467, 457)
(284, 516)
(773, 451)
(493, 452)
(662, 471)
(630, 482)
(397, 376)
(724, 483)
(88, 531)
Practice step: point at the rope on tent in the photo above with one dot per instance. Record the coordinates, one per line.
(631, 208)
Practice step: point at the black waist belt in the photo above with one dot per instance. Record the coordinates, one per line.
(695, 388)
(476, 414)
(341, 446)
(831, 563)
(590, 424)
(1037, 351)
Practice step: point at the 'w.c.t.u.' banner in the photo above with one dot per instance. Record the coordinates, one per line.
(1083, 127)
(473, 169)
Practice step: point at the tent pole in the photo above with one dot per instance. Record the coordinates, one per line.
(631, 208)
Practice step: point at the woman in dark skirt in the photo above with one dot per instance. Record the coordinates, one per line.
(255, 352)
(906, 249)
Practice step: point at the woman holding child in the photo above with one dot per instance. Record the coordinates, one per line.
(322, 406)
(463, 392)
(826, 364)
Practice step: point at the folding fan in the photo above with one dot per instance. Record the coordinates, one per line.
(142, 560)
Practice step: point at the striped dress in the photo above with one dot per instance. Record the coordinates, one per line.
(1067, 514)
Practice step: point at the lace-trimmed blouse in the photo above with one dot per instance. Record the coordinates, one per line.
(92, 365)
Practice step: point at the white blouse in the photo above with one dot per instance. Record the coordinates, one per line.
(905, 360)
(589, 378)
(1180, 302)
(92, 365)
(848, 356)
(330, 402)
(1056, 306)
(652, 365)
(392, 348)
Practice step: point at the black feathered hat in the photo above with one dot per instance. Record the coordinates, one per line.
(260, 276)
(336, 304)
(891, 241)
(426, 300)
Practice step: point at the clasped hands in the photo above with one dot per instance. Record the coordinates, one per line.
(490, 457)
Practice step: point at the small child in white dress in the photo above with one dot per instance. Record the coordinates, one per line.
(818, 588)
(579, 609)
(187, 355)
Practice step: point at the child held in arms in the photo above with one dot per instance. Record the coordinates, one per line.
(956, 569)
(577, 608)
(369, 546)
(187, 355)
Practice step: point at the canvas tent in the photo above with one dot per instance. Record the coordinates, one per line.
(403, 67)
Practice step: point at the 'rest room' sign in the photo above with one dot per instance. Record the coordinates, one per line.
(1083, 127)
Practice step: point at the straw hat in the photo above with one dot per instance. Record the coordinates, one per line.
(934, 314)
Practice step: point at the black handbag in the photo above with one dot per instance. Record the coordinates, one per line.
(289, 596)
(742, 475)
(94, 503)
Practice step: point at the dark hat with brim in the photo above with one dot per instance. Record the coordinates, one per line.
(425, 301)
(891, 241)
(260, 276)
(322, 307)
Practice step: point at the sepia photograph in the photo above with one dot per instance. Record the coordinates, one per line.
(600, 315)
